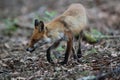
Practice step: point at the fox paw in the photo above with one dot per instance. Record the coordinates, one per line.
(63, 62)
(79, 55)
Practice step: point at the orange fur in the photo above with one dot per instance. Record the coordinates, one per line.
(65, 26)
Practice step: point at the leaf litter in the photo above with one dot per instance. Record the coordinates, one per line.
(99, 59)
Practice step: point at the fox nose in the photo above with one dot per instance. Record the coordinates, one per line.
(30, 49)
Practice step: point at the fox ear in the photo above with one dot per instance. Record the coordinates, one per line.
(41, 24)
(36, 23)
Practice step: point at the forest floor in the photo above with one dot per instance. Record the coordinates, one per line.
(100, 59)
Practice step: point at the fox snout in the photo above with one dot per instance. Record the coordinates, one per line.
(30, 49)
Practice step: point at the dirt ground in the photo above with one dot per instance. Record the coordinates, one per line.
(100, 59)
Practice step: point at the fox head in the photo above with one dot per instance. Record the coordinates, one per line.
(39, 33)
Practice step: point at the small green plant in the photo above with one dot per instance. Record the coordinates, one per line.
(92, 51)
(10, 26)
(97, 34)
(60, 48)
(93, 36)
(47, 16)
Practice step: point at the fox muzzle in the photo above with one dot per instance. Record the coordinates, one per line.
(30, 49)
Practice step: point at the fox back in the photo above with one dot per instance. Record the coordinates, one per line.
(74, 19)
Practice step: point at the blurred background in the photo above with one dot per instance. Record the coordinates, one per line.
(16, 26)
(101, 13)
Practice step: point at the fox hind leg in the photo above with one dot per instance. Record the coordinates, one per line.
(69, 47)
(79, 53)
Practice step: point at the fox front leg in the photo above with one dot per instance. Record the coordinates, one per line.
(55, 45)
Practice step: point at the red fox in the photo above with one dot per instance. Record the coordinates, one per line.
(63, 28)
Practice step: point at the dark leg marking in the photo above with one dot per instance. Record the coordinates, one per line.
(79, 53)
(49, 51)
